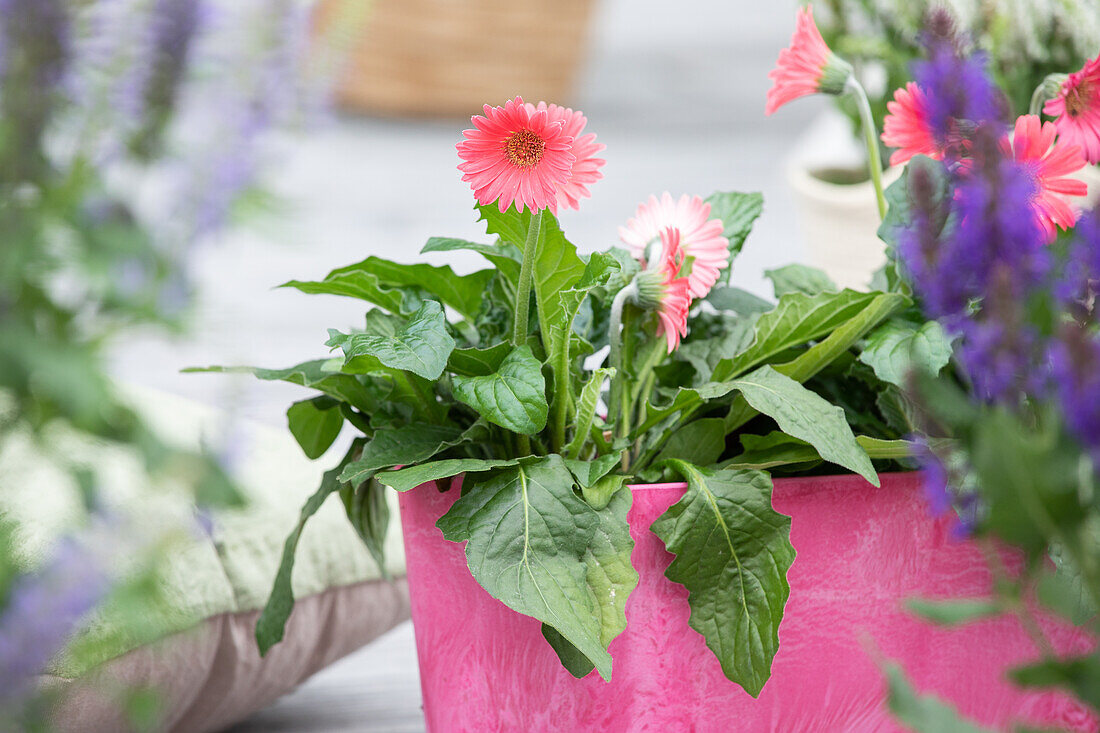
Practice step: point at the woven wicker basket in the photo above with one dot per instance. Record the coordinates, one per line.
(449, 57)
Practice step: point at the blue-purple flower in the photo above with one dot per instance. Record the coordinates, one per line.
(41, 612)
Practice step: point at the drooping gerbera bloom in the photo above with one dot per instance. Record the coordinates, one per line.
(1032, 146)
(699, 236)
(514, 155)
(806, 67)
(586, 167)
(675, 298)
(907, 127)
(1077, 110)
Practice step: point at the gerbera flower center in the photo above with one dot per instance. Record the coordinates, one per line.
(524, 148)
(1077, 100)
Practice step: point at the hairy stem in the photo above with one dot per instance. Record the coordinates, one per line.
(523, 289)
(615, 358)
(870, 137)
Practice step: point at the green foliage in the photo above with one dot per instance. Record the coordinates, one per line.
(738, 212)
(732, 554)
(369, 514)
(272, 622)
(923, 713)
(315, 424)
(437, 393)
(898, 347)
(802, 414)
(527, 540)
(513, 398)
(800, 279)
(422, 346)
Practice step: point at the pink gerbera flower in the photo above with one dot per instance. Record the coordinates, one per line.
(1077, 109)
(806, 67)
(698, 235)
(906, 126)
(586, 168)
(675, 298)
(1033, 147)
(517, 155)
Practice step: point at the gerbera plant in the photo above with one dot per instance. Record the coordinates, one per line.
(552, 380)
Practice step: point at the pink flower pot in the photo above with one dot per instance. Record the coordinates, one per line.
(861, 552)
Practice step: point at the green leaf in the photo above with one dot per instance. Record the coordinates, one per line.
(887, 450)
(570, 657)
(705, 354)
(738, 212)
(504, 256)
(311, 374)
(586, 410)
(272, 622)
(955, 611)
(514, 397)
(1062, 589)
(315, 424)
(558, 328)
(527, 535)
(843, 338)
(369, 514)
(361, 285)
(805, 415)
(611, 578)
(796, 320)
(923, 713)
(732, 554)
(779, 449)
(700, 442)
(387, 284)
(739, 301)
(401, 446)
(897, 347)
(899, 214)
(478, 362)
(405, 479)
(775, 449)
(600, 493)
(800, 279)
(421, 347)
(1022, 463)
(1079, 675)
(588, 473)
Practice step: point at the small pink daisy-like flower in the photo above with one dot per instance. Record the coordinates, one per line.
(1033, 147)
(1077, 110)
(699, 237)
(906, 126)
(675, 300)
(586, 168)
(806, 67)
(515, 155)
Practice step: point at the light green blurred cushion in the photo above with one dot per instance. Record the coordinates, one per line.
(231, 572)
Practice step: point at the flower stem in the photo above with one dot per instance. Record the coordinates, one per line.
(523, 289)
(615, 358)
(1048, 88)
(874, 159)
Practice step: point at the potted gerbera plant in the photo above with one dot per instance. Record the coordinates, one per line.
(836, 203)
(524, 411)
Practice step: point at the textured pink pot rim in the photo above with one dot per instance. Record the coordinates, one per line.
(796, 485)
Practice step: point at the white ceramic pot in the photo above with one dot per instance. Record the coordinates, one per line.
(839, 222)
